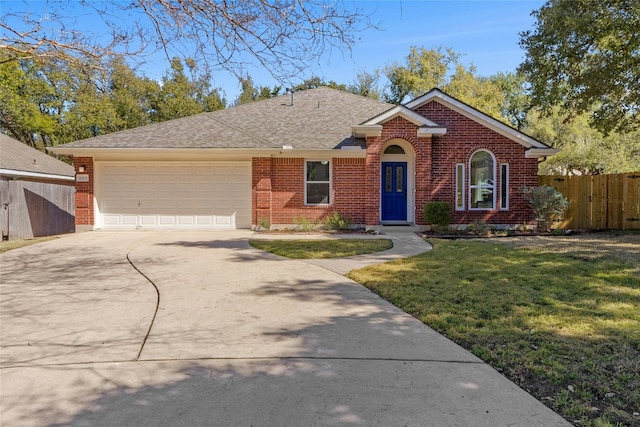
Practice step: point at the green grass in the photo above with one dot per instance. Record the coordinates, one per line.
(7, 245)
(325, 248)
(565, 328)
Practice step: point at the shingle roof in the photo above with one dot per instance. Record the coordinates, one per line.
(318, 119)
(16, 156)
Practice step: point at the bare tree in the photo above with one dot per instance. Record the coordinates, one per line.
(283, 36)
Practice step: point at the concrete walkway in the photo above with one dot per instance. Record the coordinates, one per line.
(406, 243)
(199, 329)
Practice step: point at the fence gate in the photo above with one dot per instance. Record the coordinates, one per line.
(599, 201)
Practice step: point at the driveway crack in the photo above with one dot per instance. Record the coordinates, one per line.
(155, 312)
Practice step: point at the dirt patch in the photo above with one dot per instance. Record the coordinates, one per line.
(625, 246)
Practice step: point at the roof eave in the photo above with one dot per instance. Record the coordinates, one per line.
(431, 131)
(533, 153)
(27, 174)
(364, 131)
(204, 154)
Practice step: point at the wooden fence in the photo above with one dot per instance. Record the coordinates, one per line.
(609, 202)
(31, 209)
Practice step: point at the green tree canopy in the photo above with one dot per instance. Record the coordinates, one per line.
(425, 69)
(45, 103)
(585, 56)
(366, 84)
(251, 93)
(181, 95)
(583, 149)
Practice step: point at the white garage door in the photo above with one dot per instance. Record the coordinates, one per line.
(173, 195)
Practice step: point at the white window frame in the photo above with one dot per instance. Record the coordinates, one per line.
(460, 185)
(504, 185)
(471, 187)
(306, 162)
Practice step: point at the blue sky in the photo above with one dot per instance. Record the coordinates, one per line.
(485, 32)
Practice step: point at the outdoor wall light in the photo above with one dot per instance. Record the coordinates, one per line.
(81, 168)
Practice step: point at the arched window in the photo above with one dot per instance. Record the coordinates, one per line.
(394, 149)
(482, 180)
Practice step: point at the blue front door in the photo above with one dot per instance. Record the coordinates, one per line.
(394, 191)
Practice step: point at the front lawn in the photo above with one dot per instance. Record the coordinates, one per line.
(323, 248)
(565, 326)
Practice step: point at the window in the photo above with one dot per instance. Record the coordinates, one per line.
(317, 183)
(460, 186)
(394, 149)
(504, 186)
(482, 181)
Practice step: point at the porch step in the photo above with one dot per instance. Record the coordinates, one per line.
(397, 228)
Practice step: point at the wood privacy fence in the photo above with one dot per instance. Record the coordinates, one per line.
(31, 209)
(598, 201)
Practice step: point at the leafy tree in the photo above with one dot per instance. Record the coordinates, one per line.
(23, 94)
(282, 36)
(132, 96)
(182, 96)
(517, 101)
(250, 93)
(479, 92)
(315, 82)
(53, 102)
(583, 149)
(585, 56)
(426, 69)
(366, 85)
(423, 70)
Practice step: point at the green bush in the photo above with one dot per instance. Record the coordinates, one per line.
(437, 213)
(302, 224)
(547, 203)
(337, 222)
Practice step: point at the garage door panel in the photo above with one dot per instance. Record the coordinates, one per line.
(157, 195)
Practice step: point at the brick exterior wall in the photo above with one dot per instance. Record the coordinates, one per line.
(464, 136)
(278, 191)
(84, 192)
(278, 183)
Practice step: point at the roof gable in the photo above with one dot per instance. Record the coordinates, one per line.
(373, 126)
(466, 110)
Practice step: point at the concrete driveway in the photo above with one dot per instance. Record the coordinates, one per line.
(198, 328)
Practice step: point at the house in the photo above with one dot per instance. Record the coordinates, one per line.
(37, 193)
(302, 156)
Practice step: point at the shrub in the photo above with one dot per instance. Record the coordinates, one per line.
(264, 224)
(337, 222)
(547, 203)
(437, 213)
(302, 224)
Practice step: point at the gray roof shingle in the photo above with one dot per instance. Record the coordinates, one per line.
(17, 156)
(318, 119)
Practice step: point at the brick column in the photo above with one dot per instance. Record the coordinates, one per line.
(261, 190)
(372, 167)
(424, 176)
(84, 191)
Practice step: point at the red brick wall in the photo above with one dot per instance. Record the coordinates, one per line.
(463, 138)
(84, 192)
(349, 189)
(278, 191)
